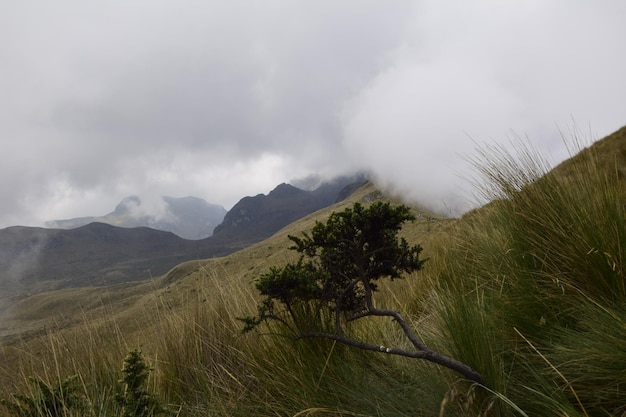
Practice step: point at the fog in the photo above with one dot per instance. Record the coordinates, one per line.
(225, 99)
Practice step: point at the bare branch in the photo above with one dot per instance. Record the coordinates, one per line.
(426, 354)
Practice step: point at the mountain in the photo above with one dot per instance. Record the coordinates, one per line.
(37, 259)
(253, 219)
(187, 217)
(33, 260)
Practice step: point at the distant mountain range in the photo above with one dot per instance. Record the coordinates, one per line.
(37, 259)
(187, 217)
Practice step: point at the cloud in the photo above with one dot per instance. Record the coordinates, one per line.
(226, 99)
(479, 72)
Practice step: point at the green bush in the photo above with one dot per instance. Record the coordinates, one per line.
(332, 286)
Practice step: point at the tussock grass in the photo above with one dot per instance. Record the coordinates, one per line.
(532, 293)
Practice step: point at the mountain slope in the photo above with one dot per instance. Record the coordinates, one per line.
(35, 259)
(65, 303)
(253, 219)
(608, 153)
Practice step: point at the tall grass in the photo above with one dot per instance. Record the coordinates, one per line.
(93, 354)
(56, 358)
(211, 368)
(201, 361)
(532, 293)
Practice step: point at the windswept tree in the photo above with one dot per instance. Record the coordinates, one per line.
(332, 284)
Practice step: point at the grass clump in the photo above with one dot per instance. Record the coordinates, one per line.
(533, 287)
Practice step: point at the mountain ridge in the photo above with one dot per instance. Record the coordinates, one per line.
(262, 215)
(33, 260)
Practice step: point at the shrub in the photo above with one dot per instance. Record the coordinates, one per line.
(332, 285)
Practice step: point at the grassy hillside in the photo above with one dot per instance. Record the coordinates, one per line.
(528, 290)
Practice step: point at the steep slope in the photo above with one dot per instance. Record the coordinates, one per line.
(187, 319)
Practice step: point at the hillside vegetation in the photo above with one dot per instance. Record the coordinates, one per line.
(528, 290)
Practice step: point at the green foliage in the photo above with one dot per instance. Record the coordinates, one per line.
(136, 401)
(43, 400)
(360, 242)
(341, 261)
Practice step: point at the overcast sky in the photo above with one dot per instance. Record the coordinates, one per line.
(222, 99)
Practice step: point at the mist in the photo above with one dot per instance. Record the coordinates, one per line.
(222, 100)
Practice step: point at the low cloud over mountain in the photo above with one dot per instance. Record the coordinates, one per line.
(33, 260)
(188, 217)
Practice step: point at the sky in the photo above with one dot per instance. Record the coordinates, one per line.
(100, 100)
